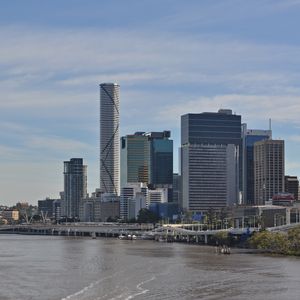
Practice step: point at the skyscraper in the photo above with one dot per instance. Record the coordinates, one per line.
(210, 155)
(161, 159)
(147, 158)
(268, 170)
(250, 136)
(134, 159)
(75, 185)
(109, 138)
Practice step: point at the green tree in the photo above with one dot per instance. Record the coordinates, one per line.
(274, 242)
(111, 219)
(147, 216)
(36, 218)
(294, 241)
(222, 238)
(211, 217)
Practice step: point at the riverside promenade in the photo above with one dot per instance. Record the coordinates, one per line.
(190, 233)
(79, 229)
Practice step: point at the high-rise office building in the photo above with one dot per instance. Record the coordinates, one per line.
(161, 159)
(291, 185)
(176, 187)
(210, 156)
(109, 138)
(147, 158)
(250, 136)
(75, 185)
(135, 158)
(268, 170)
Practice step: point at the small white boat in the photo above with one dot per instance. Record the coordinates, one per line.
(122, 237)
(223, 250)
(161, 239)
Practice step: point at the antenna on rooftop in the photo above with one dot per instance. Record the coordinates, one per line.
(270, 124)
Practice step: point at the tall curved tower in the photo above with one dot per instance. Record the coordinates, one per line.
(109, 138)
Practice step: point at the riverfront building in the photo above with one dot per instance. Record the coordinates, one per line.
(50, 208)
(250, 137)
(75, 186)
(210, 160)
(109, 138)
(268, 170)
(135, 196)
(11, 216)
(99, 208)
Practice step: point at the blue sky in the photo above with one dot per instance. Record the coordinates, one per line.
(169, 57)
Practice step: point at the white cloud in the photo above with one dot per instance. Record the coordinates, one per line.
(10, 153)
(292, 168)
(293, 138)
(29, 51)
(56, 143)
(284, 108)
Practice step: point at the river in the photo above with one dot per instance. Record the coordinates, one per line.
(53, 267)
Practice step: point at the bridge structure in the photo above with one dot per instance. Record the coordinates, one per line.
(195, 232)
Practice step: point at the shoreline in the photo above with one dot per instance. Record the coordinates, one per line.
(236, 249)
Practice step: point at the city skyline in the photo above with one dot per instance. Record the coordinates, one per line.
(180, 59)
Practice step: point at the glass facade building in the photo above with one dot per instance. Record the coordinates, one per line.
(134, 159)
(75, 185)
(220, 128)
(161, 159)
(147, 158)
(210, 160)
(250, 137)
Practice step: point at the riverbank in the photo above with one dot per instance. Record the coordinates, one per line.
(282, 243)
(279, 243)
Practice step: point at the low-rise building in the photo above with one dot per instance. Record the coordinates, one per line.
(50, 208)
(11, 215)
(99, 208)
(168, 211)
(291, 185)
(136, 203)
(283, 199)
(261, 215)
(109, 207)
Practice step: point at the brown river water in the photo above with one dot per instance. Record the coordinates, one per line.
(52, 267)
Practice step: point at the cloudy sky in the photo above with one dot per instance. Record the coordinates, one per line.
(169, 57)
